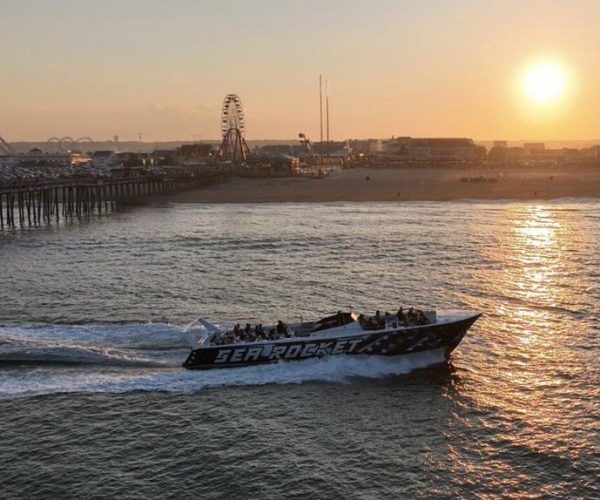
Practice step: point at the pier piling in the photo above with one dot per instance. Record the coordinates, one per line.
(41, 201)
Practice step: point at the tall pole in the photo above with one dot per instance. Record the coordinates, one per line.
(327, 111)
(321, 108)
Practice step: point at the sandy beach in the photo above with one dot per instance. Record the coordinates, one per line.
(435, 184)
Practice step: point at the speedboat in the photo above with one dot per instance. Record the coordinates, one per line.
(344, 333)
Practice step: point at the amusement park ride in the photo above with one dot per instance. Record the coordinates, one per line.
(5, 148)
(65, 144)
(305, 143)
(53, 145)
(233, 128)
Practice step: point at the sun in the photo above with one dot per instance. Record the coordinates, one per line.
(545, 82)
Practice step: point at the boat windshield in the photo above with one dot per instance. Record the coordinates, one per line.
(339, 319)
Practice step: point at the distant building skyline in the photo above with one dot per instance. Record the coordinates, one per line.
(432, 68)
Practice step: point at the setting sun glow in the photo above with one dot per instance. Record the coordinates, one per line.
(545, 82)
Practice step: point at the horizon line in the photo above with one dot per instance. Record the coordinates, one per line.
(295, 139)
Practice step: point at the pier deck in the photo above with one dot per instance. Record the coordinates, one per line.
(28, 202)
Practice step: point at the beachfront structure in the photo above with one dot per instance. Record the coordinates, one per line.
(592, 154)
(366, 146)
(536, 154)
(279, 156)
(534, 147)
(338, 149)
(436, 149)
(274, 150)
(164, 157)
(35, 157)
(129, 159)
(196, 153)
(104, 160)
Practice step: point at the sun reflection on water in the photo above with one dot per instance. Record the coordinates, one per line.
(531, 285)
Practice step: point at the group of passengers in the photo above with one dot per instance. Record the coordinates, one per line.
(252, 334)
(412, 317)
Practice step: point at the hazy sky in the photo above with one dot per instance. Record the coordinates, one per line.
(418, 67)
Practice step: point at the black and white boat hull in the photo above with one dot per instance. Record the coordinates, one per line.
(443, 336)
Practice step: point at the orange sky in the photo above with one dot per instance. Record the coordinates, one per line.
(420, 68)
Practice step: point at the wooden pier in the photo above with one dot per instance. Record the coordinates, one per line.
(35, 202)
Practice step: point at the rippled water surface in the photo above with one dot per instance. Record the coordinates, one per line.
(93, 315)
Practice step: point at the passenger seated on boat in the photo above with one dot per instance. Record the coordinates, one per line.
(401, 317)
(260, 333)
(251, 335)
(387, 317)
(242, 334)
(380, 320)
(411, 317)
(421, 318)
(282, 330)
(362, 321)
(391, 319)
(372, 324)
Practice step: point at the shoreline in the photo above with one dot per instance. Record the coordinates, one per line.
(558, 199)
(407, 184)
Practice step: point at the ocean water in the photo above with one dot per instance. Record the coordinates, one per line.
(94, 322)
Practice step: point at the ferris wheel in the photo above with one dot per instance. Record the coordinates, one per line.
(232, 115)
